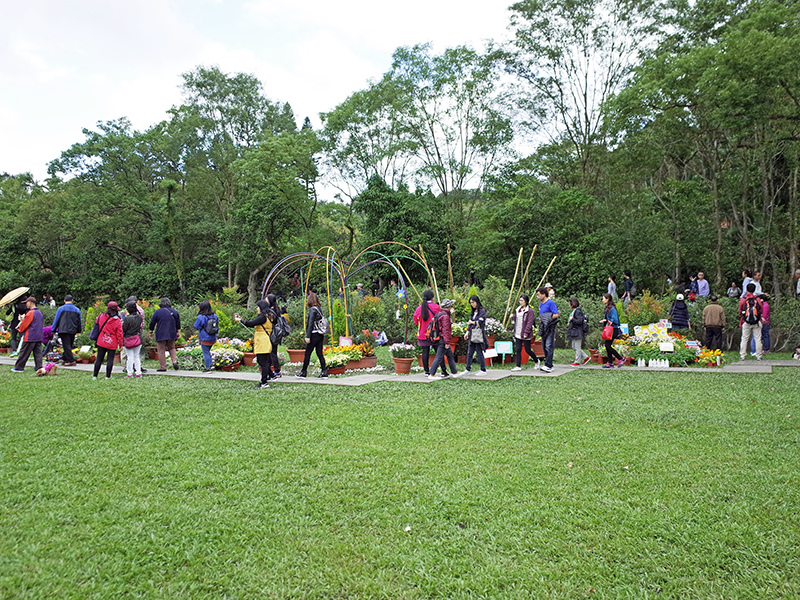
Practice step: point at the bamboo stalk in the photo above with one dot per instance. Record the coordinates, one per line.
(413, 287)
(427, 268)
(513, 285)
(527, 268)
(541, 281)
(450, 268)
(436, 287)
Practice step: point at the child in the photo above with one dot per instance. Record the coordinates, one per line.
(796, 353)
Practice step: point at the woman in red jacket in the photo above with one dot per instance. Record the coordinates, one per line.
(109, 338)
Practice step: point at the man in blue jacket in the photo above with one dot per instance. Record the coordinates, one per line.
(68, 323)
(548, 315)
(167, 324)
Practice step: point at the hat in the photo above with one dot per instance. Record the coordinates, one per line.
(30, 299)
(447, 303)
(113, 306)
(679, 297)
(358, 285)
(547, 285)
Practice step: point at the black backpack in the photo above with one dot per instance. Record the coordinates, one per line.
(280, 329)
(751, 313)
(212, 325)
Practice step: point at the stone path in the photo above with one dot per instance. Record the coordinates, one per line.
(749, 366)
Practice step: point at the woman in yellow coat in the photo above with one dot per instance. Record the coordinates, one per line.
(262, 346)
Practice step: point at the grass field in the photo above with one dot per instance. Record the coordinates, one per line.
(590, 485)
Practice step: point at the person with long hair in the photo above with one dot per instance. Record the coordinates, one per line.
(262, 346)
(109, 338)
(522, 320)
(205, 314)
(611, 317)
(476, 334)
(315, 335)
(576, 331)
(422, 318)
(277, 312)
(131, 333)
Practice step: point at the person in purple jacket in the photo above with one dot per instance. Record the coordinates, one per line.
(32, 328)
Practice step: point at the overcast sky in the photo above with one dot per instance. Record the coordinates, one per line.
(64, 65)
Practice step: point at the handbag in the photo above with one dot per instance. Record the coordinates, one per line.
(476, 335)
(132, 341)
(96, 330)
(608, 332)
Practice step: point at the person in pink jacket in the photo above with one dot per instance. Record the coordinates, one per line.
(109, 338)
(422, 317)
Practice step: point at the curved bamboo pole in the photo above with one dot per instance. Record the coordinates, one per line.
(541, 281)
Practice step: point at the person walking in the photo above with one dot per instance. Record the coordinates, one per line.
(476, 334)
(316, 328)
(31, 327)
(612, 286)
(611, 317)
(277, 313)
(262, 346)
(423, 315)
(207, 326)
(714, 323)
(132, 339)
(679, 314)
(576, 331)
(630, 288)
(444, 325)
(548, 320)
(109, 338)
(67, 323)
(522, 320)
(765, 323)
(167, 325)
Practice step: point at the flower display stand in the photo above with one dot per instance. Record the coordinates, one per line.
(337, 370)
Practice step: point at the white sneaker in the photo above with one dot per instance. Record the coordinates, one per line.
(517, 369)
(431, 377)
(480, 373)
(538, 365)
(547, 369)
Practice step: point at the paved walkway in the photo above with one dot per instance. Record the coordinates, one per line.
(749, 366)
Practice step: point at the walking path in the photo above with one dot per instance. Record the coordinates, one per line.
(749, 366)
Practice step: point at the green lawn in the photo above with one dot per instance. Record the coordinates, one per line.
(594, 484)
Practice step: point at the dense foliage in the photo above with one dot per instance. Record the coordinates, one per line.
(667, 151)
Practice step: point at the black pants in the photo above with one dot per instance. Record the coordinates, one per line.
(518, 343)
(15, 339)
(611, 352)
(315, 344)
(265, 361)
(714, 338)
(426, 360)
(443, 350)
(25, 350)
(276, 365)
(68, 342)
(101, 354)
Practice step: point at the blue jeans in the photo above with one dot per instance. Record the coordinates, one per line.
(765, 340)
(206, 356)
(548, 346)
(443, 351)
(475, 348)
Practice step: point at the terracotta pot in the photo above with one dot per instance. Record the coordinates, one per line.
(296, 356)
(4, 350)
(402, 366)
(152, 354)
(491, 339)
(454, 342)
(596, 358)
(366, 362)
(462, 360)
(419, 360)
(336, 370)
(232, 367)
(249, 359)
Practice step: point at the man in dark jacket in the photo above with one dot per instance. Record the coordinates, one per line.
(167, 324)
(31, 326)
(68, 323)
(19, 309)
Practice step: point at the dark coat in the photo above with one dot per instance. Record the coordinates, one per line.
(575, 327)
(167, 323)
(679, 315)
(479, 317)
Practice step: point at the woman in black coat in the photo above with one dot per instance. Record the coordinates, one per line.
(679, 314)
(476, 334)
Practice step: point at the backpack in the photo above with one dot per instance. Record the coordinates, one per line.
(432, 334)
(585, 324)
(280, 329)
(751, 313)
(212, 325)
(633, 290)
